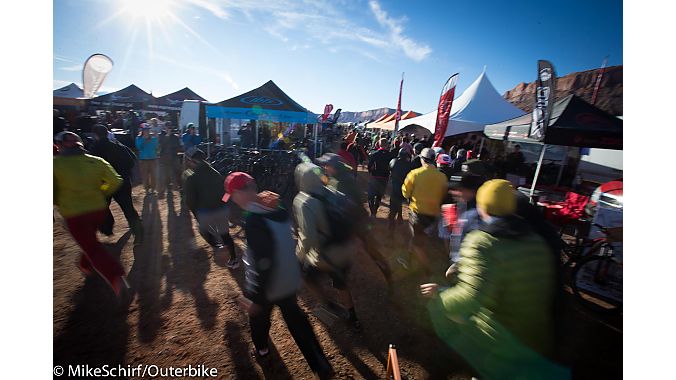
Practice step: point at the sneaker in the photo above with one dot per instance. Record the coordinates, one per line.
(233, 263)
(354, 322)
(260, 353)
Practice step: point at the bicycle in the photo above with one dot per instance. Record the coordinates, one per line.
(596, 279)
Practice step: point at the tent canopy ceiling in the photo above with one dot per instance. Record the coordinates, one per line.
(478, 105)
(267, 102)
(70, 91)
(174, 101)
(130, 96)
(574, 122)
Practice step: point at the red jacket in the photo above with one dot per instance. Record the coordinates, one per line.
(348, 158)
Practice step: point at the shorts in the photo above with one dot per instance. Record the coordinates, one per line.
(420, 223)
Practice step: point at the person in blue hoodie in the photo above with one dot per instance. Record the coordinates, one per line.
(147, 144)
(272, 273)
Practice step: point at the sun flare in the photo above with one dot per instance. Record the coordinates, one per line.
(148, 10)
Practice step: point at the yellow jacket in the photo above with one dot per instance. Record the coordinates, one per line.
(82, 183)
(426, 187)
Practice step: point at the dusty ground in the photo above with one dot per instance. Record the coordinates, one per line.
(181, 310)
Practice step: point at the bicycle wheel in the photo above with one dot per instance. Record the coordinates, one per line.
(597, 284)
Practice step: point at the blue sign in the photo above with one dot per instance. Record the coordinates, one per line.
(259, 114)
(262, 100)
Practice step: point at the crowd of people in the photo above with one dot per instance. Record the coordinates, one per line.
(496, 307)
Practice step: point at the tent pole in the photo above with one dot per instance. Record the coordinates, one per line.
(208, 140)
(537, 170)
(257, 122)
(563, 163)
(314, 152)
(481, 149)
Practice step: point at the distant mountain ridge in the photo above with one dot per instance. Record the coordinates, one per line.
(523, 94)
(581, 84)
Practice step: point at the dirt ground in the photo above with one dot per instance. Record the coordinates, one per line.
(181, 310)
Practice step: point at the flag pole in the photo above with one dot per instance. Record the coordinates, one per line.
(537, 171)
(597, 86)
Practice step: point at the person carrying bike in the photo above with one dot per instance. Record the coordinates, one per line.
(204, 198)
(499, 314)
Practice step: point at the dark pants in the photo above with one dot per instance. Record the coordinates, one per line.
(396, 201)
(211, 240)
(169, 174)
(123, 198)
(298, 326)
(376, 190)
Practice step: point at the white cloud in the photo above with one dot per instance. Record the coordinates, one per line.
(412, 49)
(62, 58)
(321, 21)
(198, 68)
(212, 7)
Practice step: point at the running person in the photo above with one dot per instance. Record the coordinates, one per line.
(204, 198)
(81, 185)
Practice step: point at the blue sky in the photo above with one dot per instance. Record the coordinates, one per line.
(350, 53)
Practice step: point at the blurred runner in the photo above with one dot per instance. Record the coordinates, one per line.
(81, 184)
(204, 198)
(426, 187)
(122, 159)
(318, 251)
(498, 316)
(272, 273)
(341, 180)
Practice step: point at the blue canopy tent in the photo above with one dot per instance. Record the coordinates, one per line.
(267, 102)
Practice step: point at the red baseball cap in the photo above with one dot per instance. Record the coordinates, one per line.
(236, 181)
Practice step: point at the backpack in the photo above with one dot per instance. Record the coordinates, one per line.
(341, 214)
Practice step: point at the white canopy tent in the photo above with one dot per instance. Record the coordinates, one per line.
(479, 105)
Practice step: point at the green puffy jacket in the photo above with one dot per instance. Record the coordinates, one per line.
(499, 314)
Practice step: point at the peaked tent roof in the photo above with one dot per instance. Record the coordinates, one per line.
(130, 96)
(267, 102)
(174, 101)
(70, 91)
(388, 124)
(381, 118)
(478, 106)
(574, 122)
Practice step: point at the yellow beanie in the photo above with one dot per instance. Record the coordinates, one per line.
(496, 197)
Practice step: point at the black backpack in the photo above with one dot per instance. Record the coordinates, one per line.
(341, 214)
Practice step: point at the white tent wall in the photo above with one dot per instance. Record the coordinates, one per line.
(478, 105)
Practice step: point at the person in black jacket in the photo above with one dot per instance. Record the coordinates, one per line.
(204, 197)
(400, 167)
(273, 275)
(122, 159)
(379, 168)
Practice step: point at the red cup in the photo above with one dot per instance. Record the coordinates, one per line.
(449, 213)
